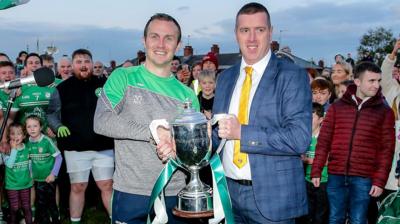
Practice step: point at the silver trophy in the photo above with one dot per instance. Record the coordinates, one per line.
(193, 151)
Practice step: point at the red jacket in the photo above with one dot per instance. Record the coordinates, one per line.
(358, 141)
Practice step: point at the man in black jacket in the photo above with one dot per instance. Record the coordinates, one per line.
(70, 113)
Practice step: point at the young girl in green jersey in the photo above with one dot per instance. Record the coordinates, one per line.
(46, 161)
(18, 179)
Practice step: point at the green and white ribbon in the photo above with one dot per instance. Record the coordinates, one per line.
(5, 4)
(221, 198)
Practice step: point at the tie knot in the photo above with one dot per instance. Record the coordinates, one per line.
(248, 70)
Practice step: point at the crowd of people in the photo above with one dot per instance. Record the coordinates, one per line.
(302, 148)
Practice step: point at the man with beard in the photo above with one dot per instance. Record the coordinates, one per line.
(70, 115)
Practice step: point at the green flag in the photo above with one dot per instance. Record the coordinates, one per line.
(5, 4)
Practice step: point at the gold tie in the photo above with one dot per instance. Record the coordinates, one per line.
(240, 158)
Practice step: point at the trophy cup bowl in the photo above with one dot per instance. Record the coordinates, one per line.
(193, 151)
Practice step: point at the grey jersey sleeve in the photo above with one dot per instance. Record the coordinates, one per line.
(108, 121)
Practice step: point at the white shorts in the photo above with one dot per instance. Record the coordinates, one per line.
(79, 165)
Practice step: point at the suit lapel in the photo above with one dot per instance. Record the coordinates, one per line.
(264, 87)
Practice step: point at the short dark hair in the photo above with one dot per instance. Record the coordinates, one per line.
(6, 64)
(176, 58)
(362, 67)
(163, 17)
(47, 57)
(22, 52)
(80, 52)
(253, 8)
(33, 55)
(5, 55)
(318, 109)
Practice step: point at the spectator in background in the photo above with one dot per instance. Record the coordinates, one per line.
(206, 95)
(317, 196)
(71, 115)
(350, 60)
(196, 69)
(99, 69)
(339, 58)
(175, 64)
(48, 61)
(321, 92)
(326, 72)
(32, 62)
(210, 62)
(20, 62)
(7, 73)
(358, 136)
(342, 88)
(341, 71)
(113, 65)
(4, 57)
(64, 68)
(183, 74)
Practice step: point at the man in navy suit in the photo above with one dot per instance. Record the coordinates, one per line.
(271, 101)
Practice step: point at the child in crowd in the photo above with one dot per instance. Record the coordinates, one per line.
(18, 179)
(317, 196)
(343, 87)
(206, 95)
(46, 161)
(196, 69)
(321, 92)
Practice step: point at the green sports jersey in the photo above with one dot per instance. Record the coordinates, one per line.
(34, 100)
(311, 154)
(141, 78)
(19, 177)
(42, 154)
(4, 102)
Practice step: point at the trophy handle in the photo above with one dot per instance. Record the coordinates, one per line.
(154, 125)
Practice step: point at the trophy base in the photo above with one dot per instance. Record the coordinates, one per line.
(192, 215)
(195, 204)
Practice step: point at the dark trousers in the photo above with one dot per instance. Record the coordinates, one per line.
(132, 208)
(45, 203)
(245, 210)
(318, 206)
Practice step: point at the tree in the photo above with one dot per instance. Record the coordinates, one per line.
(376, 43)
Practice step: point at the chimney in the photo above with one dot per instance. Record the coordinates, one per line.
(215, 49)
(187, 51)
(274, 46)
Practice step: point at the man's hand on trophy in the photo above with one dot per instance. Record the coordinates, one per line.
(229, 128)
(166, 146)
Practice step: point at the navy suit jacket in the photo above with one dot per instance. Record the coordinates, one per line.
(278, 132)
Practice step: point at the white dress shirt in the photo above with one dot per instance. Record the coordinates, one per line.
(231, 170)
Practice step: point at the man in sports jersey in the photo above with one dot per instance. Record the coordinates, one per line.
(7, 73)
(131, 99)
(71, 111)
(34, 99)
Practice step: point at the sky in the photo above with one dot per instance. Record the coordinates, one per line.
(113, 30)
